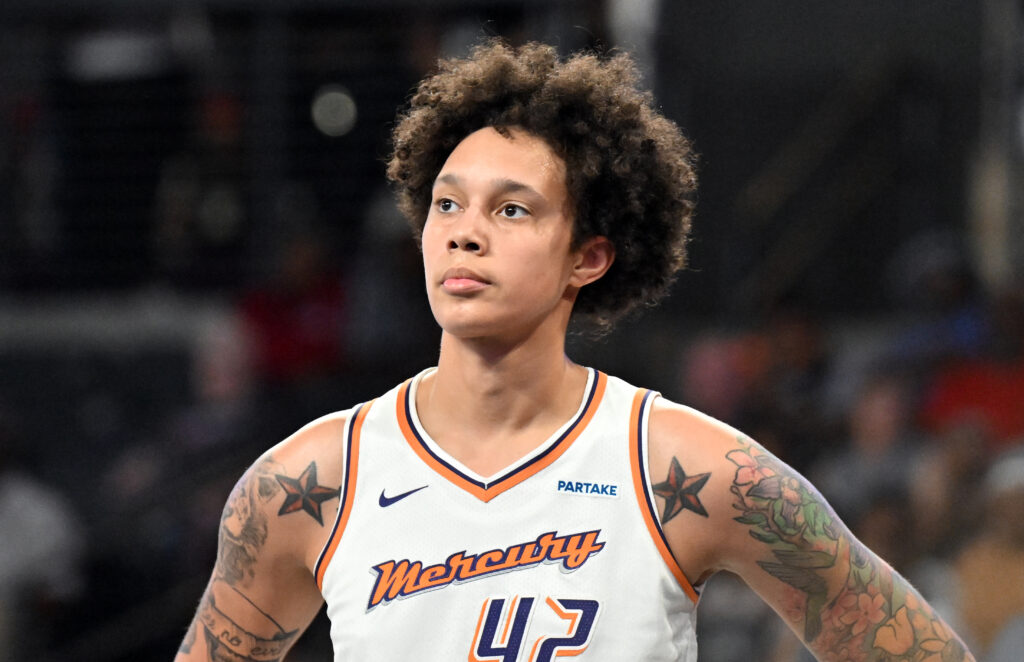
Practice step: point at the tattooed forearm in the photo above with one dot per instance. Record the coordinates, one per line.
(227, 641)
(680, 492)
(850, 604)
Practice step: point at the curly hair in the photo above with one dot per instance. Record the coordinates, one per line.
(629, 170)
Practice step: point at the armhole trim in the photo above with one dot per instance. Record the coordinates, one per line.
(638, 421)
(353, 431)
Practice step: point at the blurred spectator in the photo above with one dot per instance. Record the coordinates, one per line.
(719, 369)
(986, 390)
(882, 526)
(785, 403)
(944, 490)
(990, 569)
(390, 325)
(40, 551)
(222, 391)
(875, 462)
(295, 322)
(931, 280)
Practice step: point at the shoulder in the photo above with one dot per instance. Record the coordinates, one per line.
(695, 463)
(686, 434)
(285, 501)
(320, 441)
(673, 424)
(313, 454)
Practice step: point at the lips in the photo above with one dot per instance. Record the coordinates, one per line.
(463, 273)
(459, 280)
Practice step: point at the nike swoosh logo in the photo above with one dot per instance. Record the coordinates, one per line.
(386, 501)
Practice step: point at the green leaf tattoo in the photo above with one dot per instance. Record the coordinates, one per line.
(851, 604)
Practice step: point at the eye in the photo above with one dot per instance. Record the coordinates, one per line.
(514, 211)
(446, 206)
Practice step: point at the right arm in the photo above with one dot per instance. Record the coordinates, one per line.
(262, 594)
(756, 517)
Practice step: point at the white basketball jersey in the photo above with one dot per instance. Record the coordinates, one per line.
(561, 554)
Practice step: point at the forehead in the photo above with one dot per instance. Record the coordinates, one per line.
(489, 155)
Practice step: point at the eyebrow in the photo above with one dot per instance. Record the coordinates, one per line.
(501, 185)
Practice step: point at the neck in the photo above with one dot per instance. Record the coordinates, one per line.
(500, 384)
(485, 395)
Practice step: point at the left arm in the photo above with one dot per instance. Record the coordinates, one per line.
(768, 524)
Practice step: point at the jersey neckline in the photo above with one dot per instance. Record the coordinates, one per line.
(486, 488)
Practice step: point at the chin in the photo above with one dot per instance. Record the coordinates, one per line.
(472, 329)
(477, 322)
(475, 326)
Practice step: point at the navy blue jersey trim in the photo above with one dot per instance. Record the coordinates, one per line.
(351, 424)
(595, 378)
(642, 461)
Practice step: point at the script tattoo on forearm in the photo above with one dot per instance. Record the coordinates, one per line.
(851, 604)
(226, 641)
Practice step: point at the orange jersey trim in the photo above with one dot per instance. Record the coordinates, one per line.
(355, 429)
(487, 491)
(641, 400)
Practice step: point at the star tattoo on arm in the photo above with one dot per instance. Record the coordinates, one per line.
(680, 492)
(304, 494)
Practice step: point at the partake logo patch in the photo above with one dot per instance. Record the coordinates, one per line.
(586, 488)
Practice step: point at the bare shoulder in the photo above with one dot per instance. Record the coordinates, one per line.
(747, 494)
(262, 593)
(686, 429)
(296, 484)
(691, 462)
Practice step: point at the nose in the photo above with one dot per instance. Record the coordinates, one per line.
(464, 243)
(467, 234)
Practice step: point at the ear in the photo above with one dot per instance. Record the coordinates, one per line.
(593, 259)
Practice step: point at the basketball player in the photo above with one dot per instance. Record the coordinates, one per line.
(509, 504)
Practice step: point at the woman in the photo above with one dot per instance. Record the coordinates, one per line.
(511, 504)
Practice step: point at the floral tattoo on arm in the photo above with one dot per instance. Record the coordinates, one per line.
(851, 605)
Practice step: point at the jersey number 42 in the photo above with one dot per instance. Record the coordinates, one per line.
(501, 631)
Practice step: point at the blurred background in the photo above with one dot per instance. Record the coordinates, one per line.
(198, 254)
